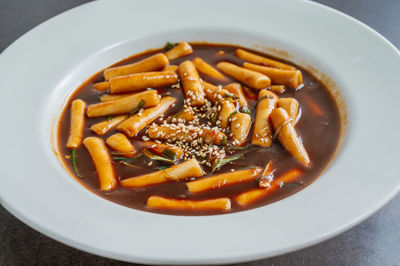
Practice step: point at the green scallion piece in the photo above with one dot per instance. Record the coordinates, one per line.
(229, 95)
(122, 159)
(224, 141)
(240, 148)
(247, 167)
(126, 159)
(168, 153)
(280, 127)
(170, 45)
(233, 113)
(121, 153)
(157, 157)
(174, 116)
(218, 164)
(137, 108)
(264, 97)
(131, 165)
(73, 158)
(214, 118)
(245, 110)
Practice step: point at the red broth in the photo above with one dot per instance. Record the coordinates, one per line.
(319, 131)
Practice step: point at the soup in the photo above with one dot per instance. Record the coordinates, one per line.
(199, 129)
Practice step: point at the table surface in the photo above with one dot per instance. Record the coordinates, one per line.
(376, 241)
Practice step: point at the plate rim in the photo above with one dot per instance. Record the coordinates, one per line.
(59, 238)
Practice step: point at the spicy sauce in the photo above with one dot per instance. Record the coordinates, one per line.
(319, 131)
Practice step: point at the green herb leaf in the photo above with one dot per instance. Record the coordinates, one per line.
(174, 116)
(239, 148)
(163, 167)
(281, 126)
(137, 108)
(170, 45)
(245, 110)
(110, 118)
(224, 141)
(247, 167)
(122, 159)
(269, 177)
(73, 158)
(131, 165)
(168, 153)
(156, 157)
(229, 95)
(264, 97)
(233, 113)
(126, 159)
(217, 164)
(122, 153)
(214, 118)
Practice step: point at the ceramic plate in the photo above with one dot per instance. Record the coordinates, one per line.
(42, 68)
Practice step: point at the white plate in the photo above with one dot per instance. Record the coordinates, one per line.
(44, 66)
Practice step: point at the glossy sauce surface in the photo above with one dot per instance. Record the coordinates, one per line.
(320, 135)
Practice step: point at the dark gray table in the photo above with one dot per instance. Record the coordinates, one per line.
(374, 242)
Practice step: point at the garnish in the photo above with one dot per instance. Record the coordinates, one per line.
(245, 110)
(229, 95)
(246, 168)
(125, 159)
(170, 45)
(153, 156)
(224, 141)
(265, 180)
(174, 116)
(264, 97)
(110, 118)
(233, 113)
(163, 167)
(73, 158)
(239, 148)
(281, 126)
(122, 159)
(267, 176)
(170, 154)
(218, 163)
(131, 165)
(123, 153)
(214, 118)
(137, 108)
